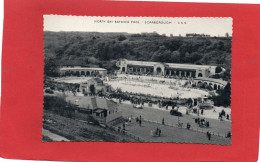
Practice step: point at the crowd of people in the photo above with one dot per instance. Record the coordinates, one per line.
(202, 122)
(223, 114)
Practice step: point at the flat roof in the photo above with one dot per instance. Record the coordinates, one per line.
(82, 68)
(172, 65)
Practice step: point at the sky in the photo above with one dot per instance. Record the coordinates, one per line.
(161, 25)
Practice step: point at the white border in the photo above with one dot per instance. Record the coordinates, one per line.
(207, 1)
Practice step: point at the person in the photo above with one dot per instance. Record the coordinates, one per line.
(219, 116)
(223, 112)
(199, 121)
(228, 134)
(207, 124)
(208, 135)
(202, 111)
(202, 121)
(188, 125)
(140, 122)
(123, 130)
(227, 117)
(159, 132)
(163, 121)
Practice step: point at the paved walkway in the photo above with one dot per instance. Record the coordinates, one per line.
(156, 115)
(171, 134)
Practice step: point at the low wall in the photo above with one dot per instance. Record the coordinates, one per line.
(113, 116)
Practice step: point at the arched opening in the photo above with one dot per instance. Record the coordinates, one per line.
(82, 73)
(123, 69)
(92, 73)
(87, 73)
(193, 74)
(167, 72)
(195, 102)
(200, 84)
(73, 73)
(77, 73)
(158, 71)
(215, 87)
(200, 75)
(97, 73)
(67, 73)
(218, 86)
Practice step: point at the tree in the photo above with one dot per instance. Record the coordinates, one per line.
(121, 38)
(218, 69)
(50, 68)
(224, 98)
(227, 35)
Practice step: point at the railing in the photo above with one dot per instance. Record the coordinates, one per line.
(127, 133)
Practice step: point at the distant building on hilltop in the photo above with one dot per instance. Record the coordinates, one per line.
(197, 35)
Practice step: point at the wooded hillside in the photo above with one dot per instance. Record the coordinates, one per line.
(102, 49)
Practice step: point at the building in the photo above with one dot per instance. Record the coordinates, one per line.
(165, 69)
(94, 86)
(82, 71)
(102, 109)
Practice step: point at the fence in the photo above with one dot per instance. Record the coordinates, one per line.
(121, 131)
(127, 133)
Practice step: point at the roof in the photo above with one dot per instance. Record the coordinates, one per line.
(105, 104)
(172, 65)
(99, 110)
(96, 102)
(82, 68)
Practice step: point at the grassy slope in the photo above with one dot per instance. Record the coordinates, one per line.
(79, 131)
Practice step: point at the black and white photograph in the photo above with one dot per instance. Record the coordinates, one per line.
(137, 79)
